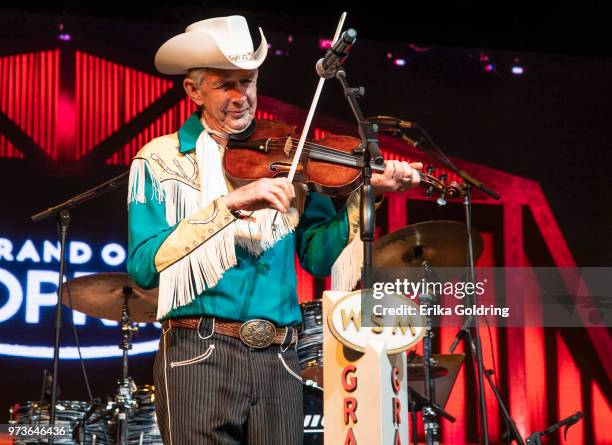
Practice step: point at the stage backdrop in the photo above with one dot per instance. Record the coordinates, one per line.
(74, 112)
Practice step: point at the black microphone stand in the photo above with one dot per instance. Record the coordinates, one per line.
(62, 213)
(370, 151)
(513, 432)
(467, 201)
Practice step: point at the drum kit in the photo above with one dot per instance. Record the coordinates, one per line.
(129, 416)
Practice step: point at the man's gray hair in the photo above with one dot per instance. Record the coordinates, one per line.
(197, 75)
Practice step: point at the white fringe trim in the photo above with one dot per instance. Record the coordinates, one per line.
(259, 235)
(136, 183)
(181, 200)
(346, 270)
(191, 275)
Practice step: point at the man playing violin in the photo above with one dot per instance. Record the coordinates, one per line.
(222, 254)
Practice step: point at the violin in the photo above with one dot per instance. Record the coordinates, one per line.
(328, 165)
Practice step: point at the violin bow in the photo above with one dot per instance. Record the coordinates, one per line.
(311, 111)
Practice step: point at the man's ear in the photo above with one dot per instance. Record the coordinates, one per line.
(194, 93)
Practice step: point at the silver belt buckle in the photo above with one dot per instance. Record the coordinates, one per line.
(257, 333)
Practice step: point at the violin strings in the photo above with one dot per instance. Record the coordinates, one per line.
(315, 147)
(424, 177)
(322, 148)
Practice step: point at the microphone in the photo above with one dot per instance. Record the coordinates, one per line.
(336, 55)
(390, 124)
(567, 423)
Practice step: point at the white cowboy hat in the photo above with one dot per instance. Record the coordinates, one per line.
(222, 42)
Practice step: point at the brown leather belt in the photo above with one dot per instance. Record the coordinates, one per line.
(256, 333)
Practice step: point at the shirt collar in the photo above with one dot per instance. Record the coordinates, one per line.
(190, 131)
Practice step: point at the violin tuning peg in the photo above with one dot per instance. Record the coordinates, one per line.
(443, 177)
(430, 169)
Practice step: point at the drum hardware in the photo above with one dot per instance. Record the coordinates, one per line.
(103, 412)
(125, 402)
(47, 382)
(430, 415)
(444, 369)
(429, 408)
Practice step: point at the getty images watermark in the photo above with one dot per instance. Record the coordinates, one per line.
(410, 289)
(512, 297)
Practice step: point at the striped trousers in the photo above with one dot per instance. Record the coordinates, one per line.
(212, 389)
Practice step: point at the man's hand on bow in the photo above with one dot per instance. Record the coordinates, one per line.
(275, 193)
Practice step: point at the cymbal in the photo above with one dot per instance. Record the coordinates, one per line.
(416, 371)
(440, 243)
(444, 384)
(101, 295)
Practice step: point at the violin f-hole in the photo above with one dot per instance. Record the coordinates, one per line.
(284, 167)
